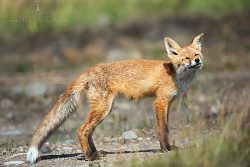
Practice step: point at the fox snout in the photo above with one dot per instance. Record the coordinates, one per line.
(197, 60)
(195, 64)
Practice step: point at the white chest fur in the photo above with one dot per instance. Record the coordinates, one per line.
(183, 81)
(174, 93)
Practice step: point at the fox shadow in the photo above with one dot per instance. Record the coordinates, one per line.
(80, 156)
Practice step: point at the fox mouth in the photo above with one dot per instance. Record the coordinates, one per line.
(198, 65)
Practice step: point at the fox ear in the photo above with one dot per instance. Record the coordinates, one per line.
(172, 47)
(197, 41)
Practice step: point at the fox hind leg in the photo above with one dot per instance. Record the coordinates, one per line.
(100, 106)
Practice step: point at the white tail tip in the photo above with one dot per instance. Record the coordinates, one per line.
(32, 154)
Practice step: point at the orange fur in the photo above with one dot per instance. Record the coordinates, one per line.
(131, 78)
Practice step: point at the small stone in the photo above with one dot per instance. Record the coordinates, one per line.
(10, 115)
(20, 149)
(10, 133)
(45, 149)
(13, 150)
(140, 139)
(105, 139)
(129, 135)
(67, 148)
(114, 140)
(124, 147)
(80, 157)
(121, 140)
(148, 138)
(13, 163)
(32, 89)
(36, 89)
(58, 148)
(4, 151)
(79, 151)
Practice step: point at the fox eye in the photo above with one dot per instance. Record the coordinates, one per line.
(174, 53)
(196, 54)
(187, 57)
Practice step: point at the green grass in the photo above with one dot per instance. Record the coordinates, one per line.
(215, 151)
(212, 153)
(21, 17)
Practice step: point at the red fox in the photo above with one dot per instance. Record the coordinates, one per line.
(131, 78)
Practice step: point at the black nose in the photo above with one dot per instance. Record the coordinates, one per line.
(197, 60)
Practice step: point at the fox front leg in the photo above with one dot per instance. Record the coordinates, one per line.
(162, 111)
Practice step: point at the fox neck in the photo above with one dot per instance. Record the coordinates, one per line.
(184, 79)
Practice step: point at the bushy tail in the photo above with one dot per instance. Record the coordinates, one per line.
(64, 107)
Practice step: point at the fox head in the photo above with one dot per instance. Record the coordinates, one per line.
(187, 59)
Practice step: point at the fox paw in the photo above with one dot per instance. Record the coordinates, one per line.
(32, 155)
(170, 148)
(95, 156)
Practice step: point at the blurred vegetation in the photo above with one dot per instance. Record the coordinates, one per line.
(228, 147)
(39, 15)
(212, 153)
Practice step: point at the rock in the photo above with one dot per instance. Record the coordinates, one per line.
(18, 89)
(80, 157)
(20, 149)
(124, 147)
(138, 132)
(10, 133)
(9, 115)
(106, 140)
(113, 140)
(79, 151)
(33, 89)
(140, 139)
(36, 89)
(67, 148)
(129, 135)
(13, 163)
(45, 149)
(121, 140)
(3, 151)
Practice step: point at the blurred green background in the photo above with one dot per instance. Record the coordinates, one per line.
(36, 16)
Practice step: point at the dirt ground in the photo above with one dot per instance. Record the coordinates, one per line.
(29, 91)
